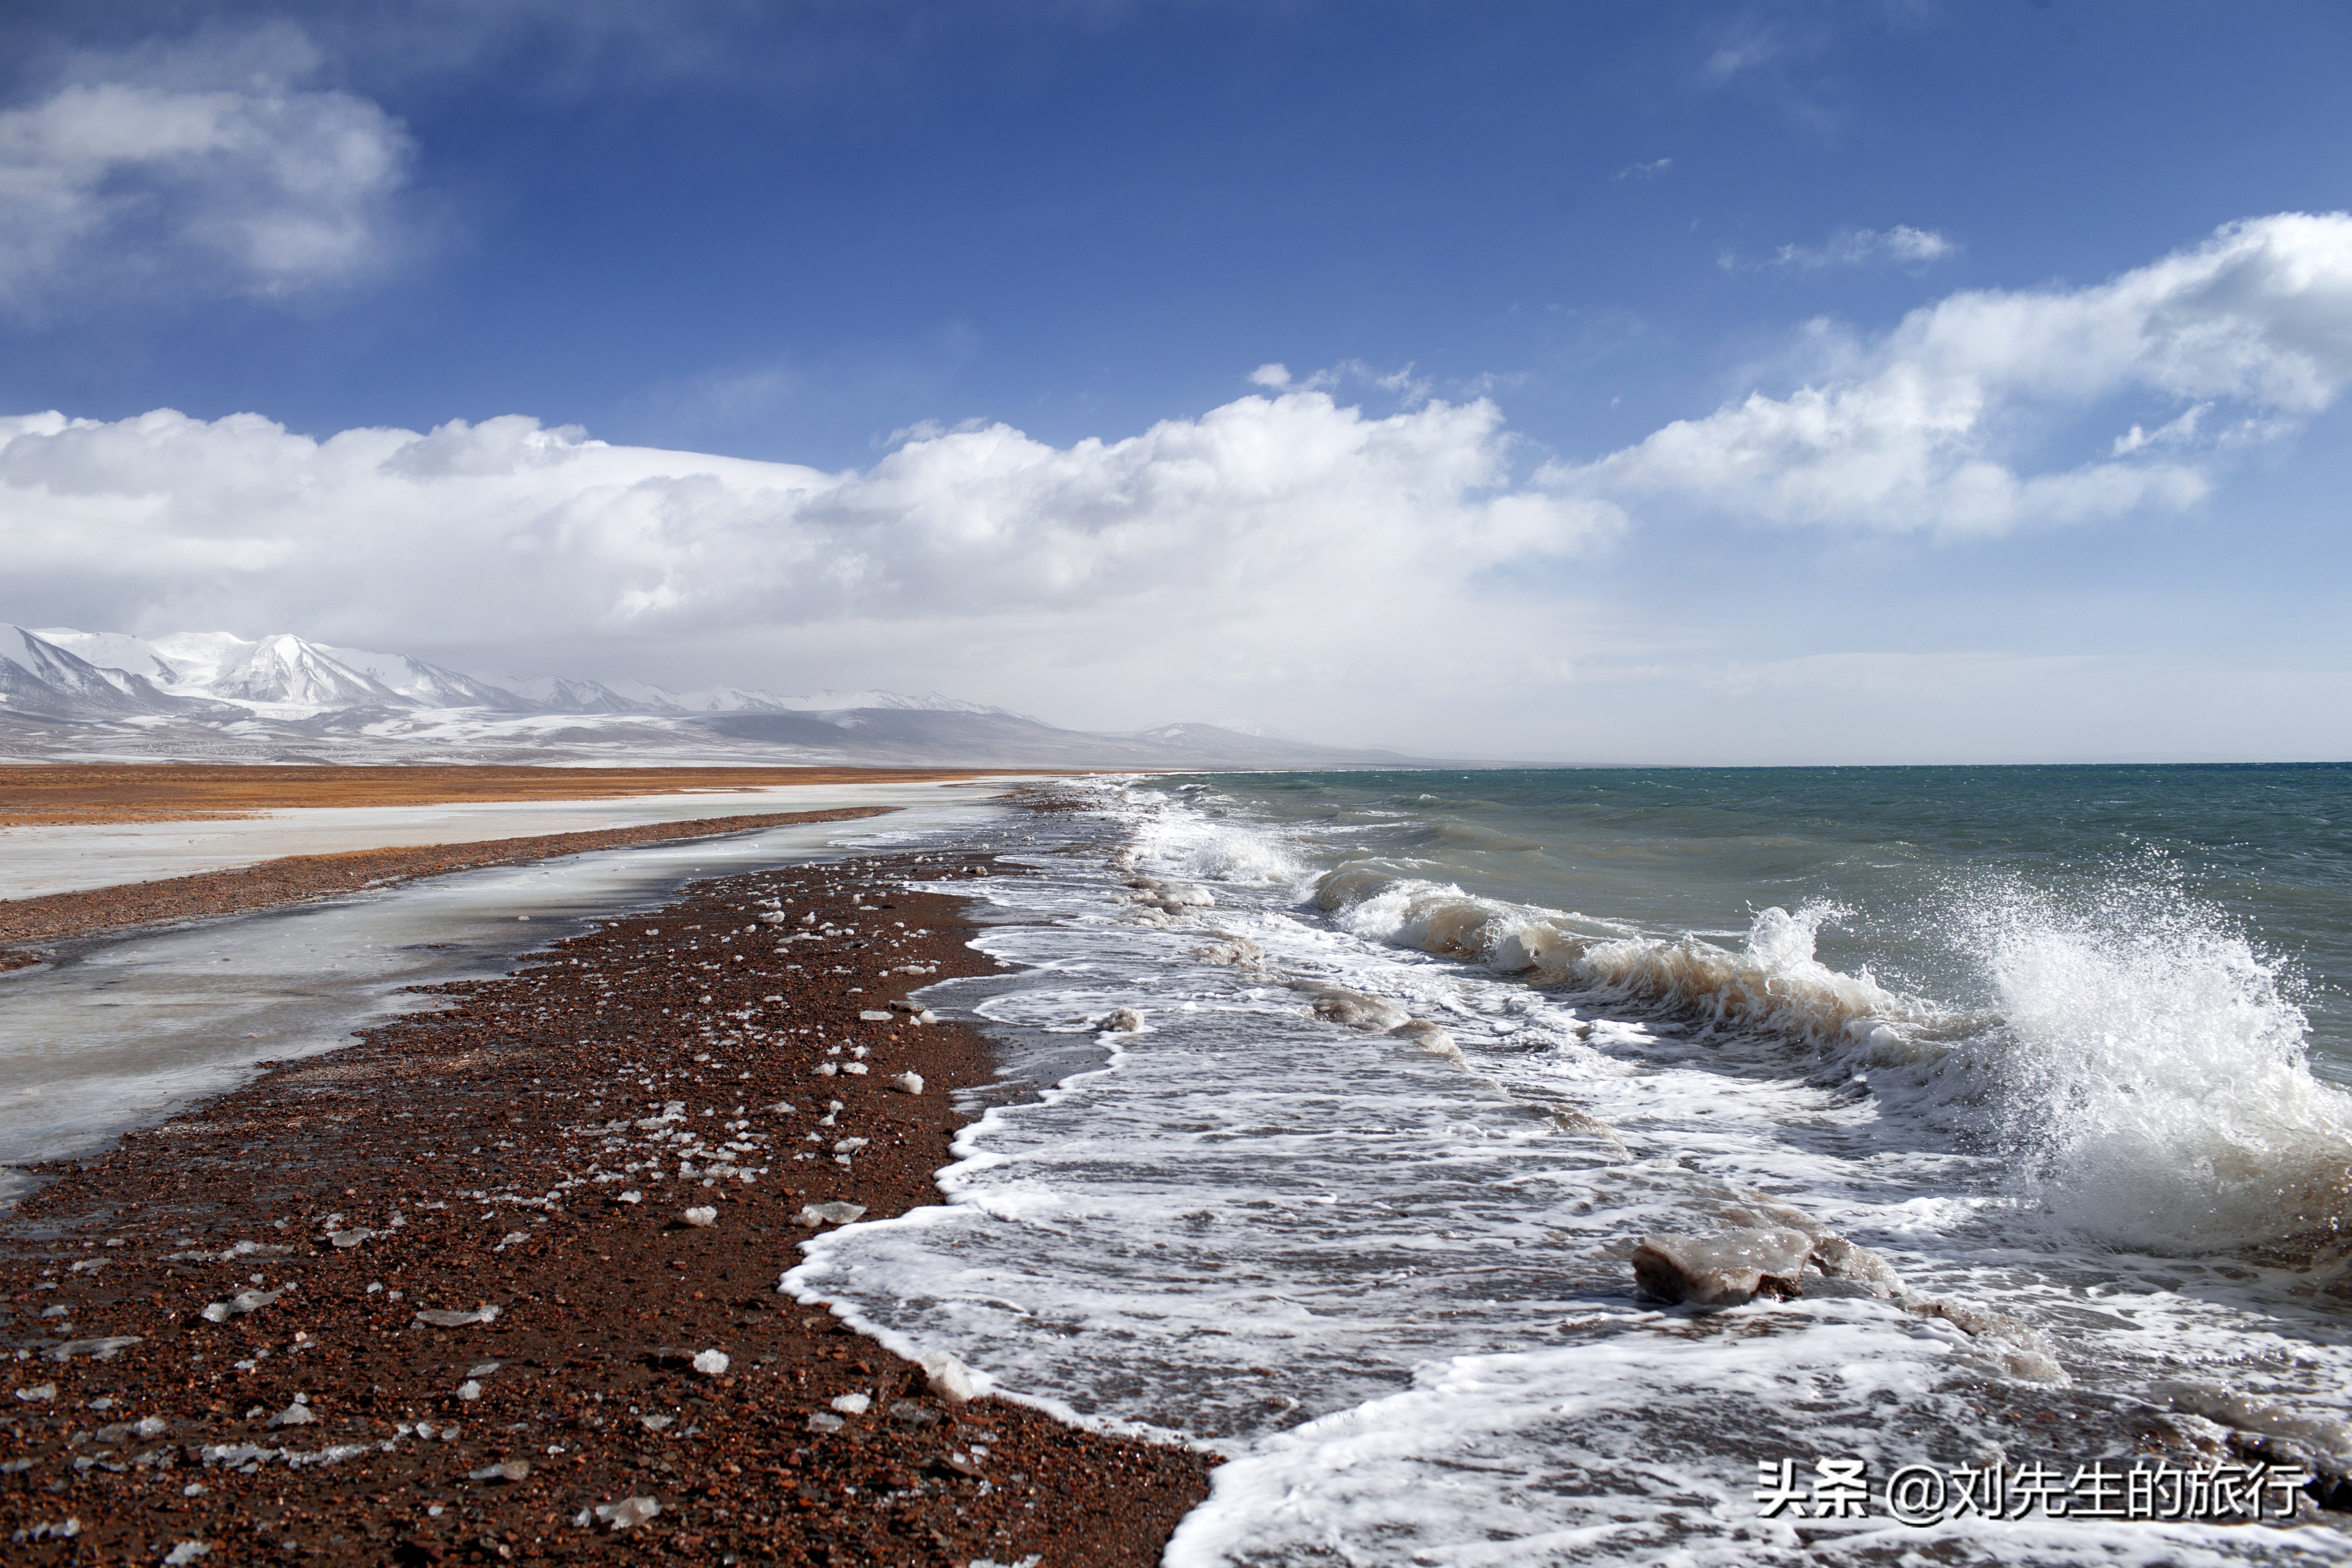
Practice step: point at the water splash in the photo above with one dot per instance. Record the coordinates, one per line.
(2153, 1071)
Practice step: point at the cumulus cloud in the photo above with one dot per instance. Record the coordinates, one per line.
(1917, 430)
(208, 167)
(1270, 530)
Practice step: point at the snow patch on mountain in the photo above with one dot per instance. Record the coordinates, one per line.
(283, 675)
(91, 695)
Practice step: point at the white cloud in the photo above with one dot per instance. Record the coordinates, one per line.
(1272, 534)
(1649, 171)
(1915, 431)
(138, 174)
(1859, 248)
(1271, 375)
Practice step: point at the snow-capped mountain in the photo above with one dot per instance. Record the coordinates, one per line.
(284, 672)
(279, 670)
(40, 679)
(65, 692)
(426, 685)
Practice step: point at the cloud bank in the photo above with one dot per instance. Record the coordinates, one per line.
(1916, 431)
(1266, 532)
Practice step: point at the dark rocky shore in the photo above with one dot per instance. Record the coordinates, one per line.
(396, 1304)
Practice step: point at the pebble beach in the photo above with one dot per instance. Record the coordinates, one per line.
(500, 1281)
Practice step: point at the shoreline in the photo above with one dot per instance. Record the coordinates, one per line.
(603, 1052)
(304, 878)
(87, 794)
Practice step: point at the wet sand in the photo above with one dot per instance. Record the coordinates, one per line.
(66, 795)
(25, 923)
(449, 1163)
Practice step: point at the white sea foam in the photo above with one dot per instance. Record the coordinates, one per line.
(1392, 1288)
(1772, 982)
(1610, 1453)
(2141, 1062)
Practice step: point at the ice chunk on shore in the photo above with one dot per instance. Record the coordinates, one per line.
(702, 1218)
(628, 1514)
(853, 1403)
(950, 1378)
(816, 1215)
(1237, 950)
(1429, 1037)
(241, 1303)
(445, 1318)
(97, 1349)
(2019, 1349)
(907, 1083)
(2218, 1402)
(1357, 1009)
(1726, 1270)
(1123, 1019)
(1842, 1259)
(711, 1363)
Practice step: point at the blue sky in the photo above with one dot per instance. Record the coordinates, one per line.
(831, 236)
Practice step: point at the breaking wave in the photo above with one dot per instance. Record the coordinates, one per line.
(1772, 983)
(2154, 1076)
(2140, 1061)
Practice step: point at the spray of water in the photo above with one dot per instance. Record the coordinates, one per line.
(2153, 1080)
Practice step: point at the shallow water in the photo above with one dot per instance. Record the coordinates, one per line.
(122, 1032)
(2067, 1083)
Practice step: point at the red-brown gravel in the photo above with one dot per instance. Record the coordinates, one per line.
(514, 1094)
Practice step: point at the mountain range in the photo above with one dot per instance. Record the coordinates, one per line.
(213, 696)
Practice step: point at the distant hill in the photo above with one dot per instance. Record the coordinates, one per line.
(215, 695)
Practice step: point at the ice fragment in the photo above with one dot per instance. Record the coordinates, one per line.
(444, 1319)
(97, 1349)
(950, 1378)
(1724, 1270)
(511, 1470)
(241, 1303)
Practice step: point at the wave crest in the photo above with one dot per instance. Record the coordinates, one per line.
(2140, 1063)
